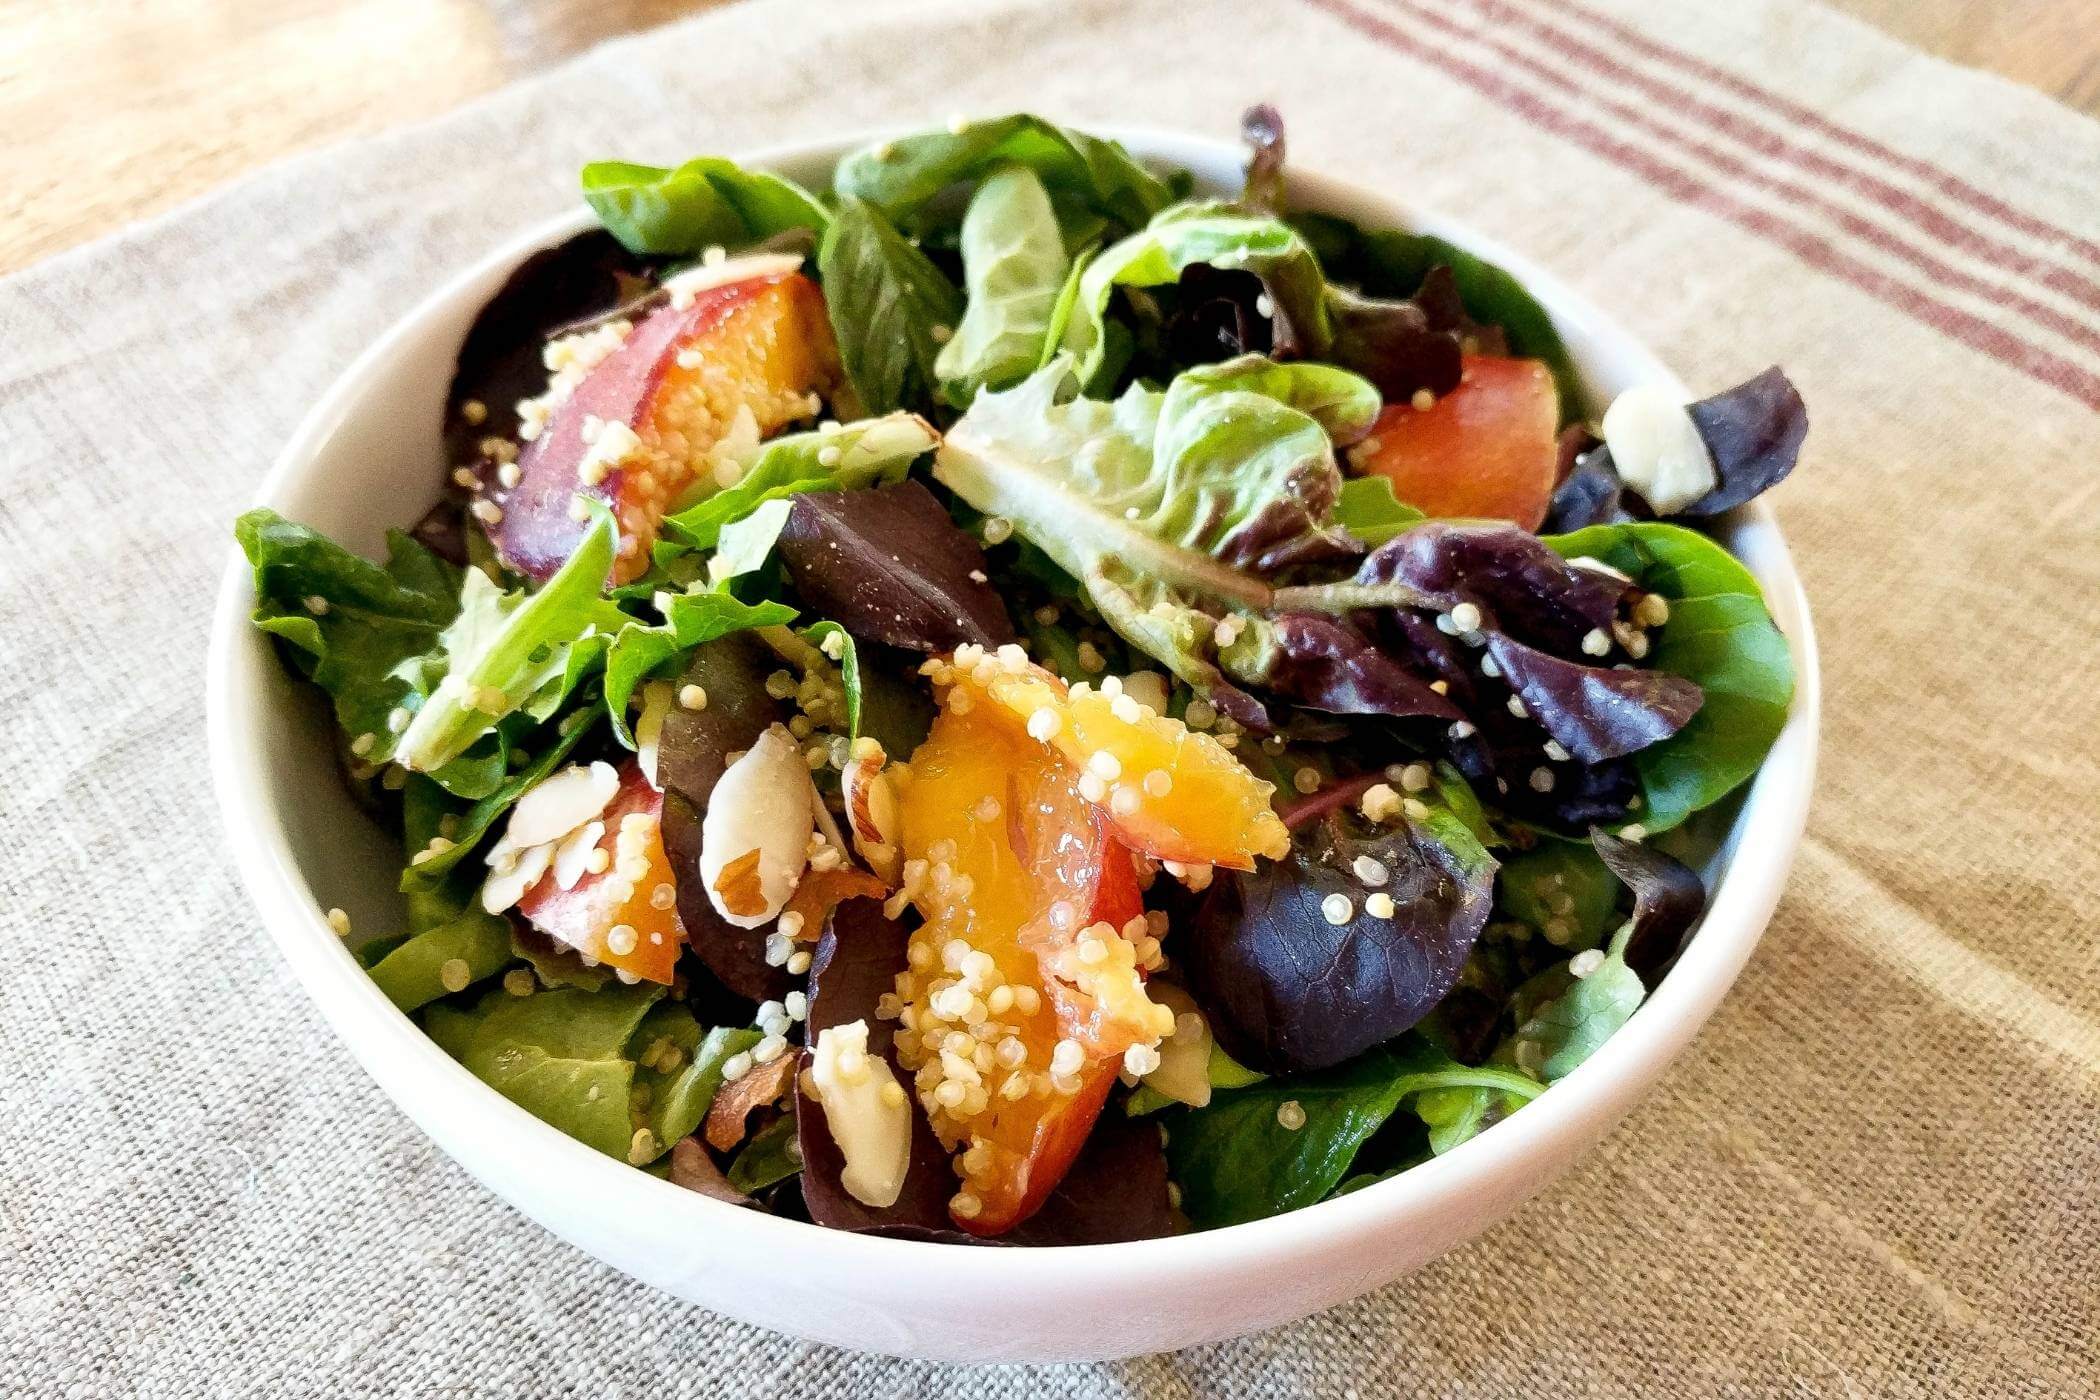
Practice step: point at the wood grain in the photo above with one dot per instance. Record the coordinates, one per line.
(117, 109)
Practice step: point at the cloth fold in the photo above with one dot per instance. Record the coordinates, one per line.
(1873, 1174)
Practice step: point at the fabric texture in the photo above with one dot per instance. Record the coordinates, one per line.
(1877, 1171)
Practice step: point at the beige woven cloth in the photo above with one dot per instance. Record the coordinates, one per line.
(1876, 1173)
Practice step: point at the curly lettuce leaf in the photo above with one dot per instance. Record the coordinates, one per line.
(1368, 509)
(1164, 505)
(903, 176)
(706, 202)
(511, 652)
(891, 308)
(1014, 269)
(1212, 235)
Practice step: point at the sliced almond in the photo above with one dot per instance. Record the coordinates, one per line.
(871, 811)
(867, 1111)
(762, 805)
(743, 1096)
(560, 803)
(506, 887)
(572, 855)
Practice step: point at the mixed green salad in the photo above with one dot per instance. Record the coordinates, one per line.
(1010, 701)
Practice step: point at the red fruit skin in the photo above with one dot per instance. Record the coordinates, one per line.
(763, 342)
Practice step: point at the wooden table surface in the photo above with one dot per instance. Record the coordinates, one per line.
(115, 109)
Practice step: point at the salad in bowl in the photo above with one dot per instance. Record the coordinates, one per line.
(1003, 702)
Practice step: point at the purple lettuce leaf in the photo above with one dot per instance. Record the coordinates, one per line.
(691, 755)
(1327, 663)
(1755, 432)
(890, 566)
(1286, 988)
(1594, 712)
(1668, 899)
(1521, 587)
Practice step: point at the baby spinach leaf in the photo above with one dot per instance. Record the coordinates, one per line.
(890, 308)
(413, 974)
(350, 626)
(768, 1159)
(678, 1098)
(1014, 268)
(706, 202)
(559, 1054)
(903, 176)
(1235, 1161)
(438, 899)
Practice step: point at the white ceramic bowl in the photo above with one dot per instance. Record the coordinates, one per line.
(369, 457)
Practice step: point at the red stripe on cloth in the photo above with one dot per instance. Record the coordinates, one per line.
(2041, 365)
(1944, 180)
(2084, 334)
(1768, 142)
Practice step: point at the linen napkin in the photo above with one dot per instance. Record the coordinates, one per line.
(1874, 1173)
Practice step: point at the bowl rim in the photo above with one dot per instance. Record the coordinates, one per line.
(1765, 837)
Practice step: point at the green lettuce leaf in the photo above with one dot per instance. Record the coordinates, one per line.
(1014, 268)
(706, 202)
(1720, 635)
(890, 308)
(1236, 1162)
(357, 629)
(1563, 887)
(903, 176)
(1565, 1019)
(1213, 235)
(560, 1054)
(830, 634)
(1369, 510)
(1165, 505)
(870, 452)
(511, 652)
(413, 974)
(639, 651)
